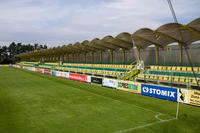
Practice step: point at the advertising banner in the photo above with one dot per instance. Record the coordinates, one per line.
(63, 74)
(58, 73)
(40, 70)
(36, 69)
(129, 86)
(194, 97)
(67, 75)
(109, 83)
(54, 73)
(78, 77)
(47, 71)
(183, 95)
(96, 80)
(30, 68)
(159, 92)
(88, 79)
(18, 66)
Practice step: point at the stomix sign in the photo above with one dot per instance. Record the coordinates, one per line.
(159, 92)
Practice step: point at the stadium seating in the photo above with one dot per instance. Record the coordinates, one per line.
(115, 70)
(100, 69)
(171, 74)
(28, 63)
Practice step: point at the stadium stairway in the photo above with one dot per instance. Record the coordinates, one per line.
(131, 74)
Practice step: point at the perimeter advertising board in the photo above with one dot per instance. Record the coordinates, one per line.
(159, 92)
(96, 80)
(58, 73)
(40, 70)
(63, 74)
(47, 71)
(33, 69)
(183, 95)
(67, 75)
(194, 97)
(109, 83)
(88, 79)
(78, 77)
(129, 86)
(18, 66)
(54, 73)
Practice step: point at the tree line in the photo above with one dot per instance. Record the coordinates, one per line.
(8, 53)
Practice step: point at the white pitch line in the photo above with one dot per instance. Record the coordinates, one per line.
(142, 126)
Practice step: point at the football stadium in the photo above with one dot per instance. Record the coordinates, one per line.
(133, 82)
(147, 81)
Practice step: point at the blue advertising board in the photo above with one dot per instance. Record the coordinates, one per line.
(54, 73)
(159, 92)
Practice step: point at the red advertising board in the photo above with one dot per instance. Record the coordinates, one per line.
(40, 70)
(78, 77)
(47, 71)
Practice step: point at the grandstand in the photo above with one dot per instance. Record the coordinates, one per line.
(152, 63)
(161, 50)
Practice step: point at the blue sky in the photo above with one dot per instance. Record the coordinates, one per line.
(59, 22)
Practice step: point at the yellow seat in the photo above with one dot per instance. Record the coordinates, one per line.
(152, 67)
(196, 69)
(193, 81)
(169, 68)
(160, 68)
(178, 68)
(164, 68)
(160, 78)
(156, 67)
(176, 79)
(189, 69)
(165, 78)
(147, 76)
(184, 69)
(182, 79)
(173, 68)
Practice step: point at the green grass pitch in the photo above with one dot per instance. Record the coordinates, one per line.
(31, 102)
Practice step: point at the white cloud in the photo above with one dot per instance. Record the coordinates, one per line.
(56, 22)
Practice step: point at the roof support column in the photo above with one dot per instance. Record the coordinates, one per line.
(101, 53)
(180, 53)
(138, 49)
(157, 54)
(164, 56)
(124, 55)
(190, 50)
(92, 56)
(144, 54)
(111, 56)
(128, 57)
